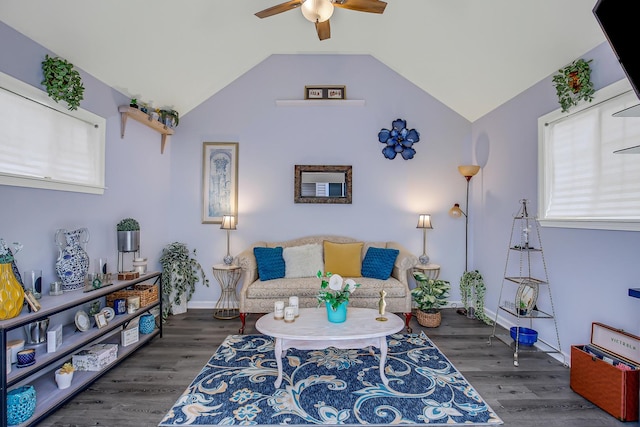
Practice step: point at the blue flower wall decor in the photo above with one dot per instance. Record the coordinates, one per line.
(399, 140)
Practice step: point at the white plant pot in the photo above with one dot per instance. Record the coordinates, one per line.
(63, 380)
(177, 308)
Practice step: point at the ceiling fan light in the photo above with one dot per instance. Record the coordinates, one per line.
(317, 10)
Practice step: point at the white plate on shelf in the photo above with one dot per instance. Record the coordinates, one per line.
(83, 323)
(109, 313)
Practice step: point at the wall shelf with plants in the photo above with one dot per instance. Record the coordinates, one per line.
(137, 115)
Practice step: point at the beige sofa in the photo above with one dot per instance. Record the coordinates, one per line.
(258, 296)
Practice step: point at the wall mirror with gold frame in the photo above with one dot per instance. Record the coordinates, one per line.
(322, 184)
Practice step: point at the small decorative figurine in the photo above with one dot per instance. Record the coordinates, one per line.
(382, 305)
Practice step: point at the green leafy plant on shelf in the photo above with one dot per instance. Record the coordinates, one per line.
(180, 273)
(170, 118)
(573, 84)
(62, 81)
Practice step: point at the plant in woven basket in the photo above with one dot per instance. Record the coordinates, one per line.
(180, 273)
(430, 294)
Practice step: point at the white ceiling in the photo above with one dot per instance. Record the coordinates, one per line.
(472, 55)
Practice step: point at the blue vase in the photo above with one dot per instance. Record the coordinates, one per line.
(73, 262)
(338, 315)
(147, 323)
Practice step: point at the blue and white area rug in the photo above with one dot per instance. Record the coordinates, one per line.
(329, 386)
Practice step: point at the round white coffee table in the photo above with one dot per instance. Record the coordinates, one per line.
(312, 331)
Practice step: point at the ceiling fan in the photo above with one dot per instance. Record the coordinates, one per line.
(319, 11)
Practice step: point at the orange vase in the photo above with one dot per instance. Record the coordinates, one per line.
(11, 293)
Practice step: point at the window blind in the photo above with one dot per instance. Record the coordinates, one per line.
(583, 180)
(46, 147)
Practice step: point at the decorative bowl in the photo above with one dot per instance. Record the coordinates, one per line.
(525, 336)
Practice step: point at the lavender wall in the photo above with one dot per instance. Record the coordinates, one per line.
(137, 179)
(590, 271)
(387, 195)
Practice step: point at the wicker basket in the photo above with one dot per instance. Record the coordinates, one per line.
(429, 320)
(148, 294)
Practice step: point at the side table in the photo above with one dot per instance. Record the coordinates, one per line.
(227, 305)
(432, 271)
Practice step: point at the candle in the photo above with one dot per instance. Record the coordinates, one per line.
(293, 302)
(278, 311)
(289, 314)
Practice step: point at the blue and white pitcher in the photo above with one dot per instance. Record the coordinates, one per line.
(73, 262)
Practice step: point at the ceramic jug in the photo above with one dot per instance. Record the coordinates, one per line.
(73, 262)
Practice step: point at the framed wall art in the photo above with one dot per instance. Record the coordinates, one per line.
(219, 181)
(325, 92)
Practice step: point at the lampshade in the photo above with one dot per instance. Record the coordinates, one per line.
(228, 222)
(455, 211)
(317, 10)
(424, 221)
(468, 170)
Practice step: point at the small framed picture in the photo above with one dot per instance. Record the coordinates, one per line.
(101, 320)
(34, 305)
(325, 92)
(129, 336)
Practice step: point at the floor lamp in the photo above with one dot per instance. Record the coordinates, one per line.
(468, 171)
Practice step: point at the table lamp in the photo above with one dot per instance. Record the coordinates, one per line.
(228, 223)
(424, 222)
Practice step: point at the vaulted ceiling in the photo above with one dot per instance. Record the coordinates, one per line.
(472, 55)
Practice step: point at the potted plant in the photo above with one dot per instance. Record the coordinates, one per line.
(62, 81)
(180, 273)
(337, 297)
(472, 290)
(64, 375)
(170, 118)
(429, 295)
(573, 83)
(128, 235)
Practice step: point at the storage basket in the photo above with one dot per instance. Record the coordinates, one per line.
(429, 320)
(148, 294)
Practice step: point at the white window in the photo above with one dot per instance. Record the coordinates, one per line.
(582, 182)
(44, 145)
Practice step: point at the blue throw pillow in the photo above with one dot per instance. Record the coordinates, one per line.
(378, 263)
(270, 263)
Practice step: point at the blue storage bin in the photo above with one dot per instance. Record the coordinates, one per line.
(525, 336)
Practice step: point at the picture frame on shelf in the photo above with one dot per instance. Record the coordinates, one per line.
(325, 92)
(129, 336)
(219, 181)
(34, 305)
(101, 320)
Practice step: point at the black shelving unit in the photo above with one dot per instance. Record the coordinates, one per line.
(40, 375)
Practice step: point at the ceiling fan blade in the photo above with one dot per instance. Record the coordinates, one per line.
(279, 8)
(323, 29)
(371, 6)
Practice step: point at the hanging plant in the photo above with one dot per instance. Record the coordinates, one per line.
(472, 283)
(62, 81)
(573, 84)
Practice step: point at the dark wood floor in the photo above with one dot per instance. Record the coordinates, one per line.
(140, 391)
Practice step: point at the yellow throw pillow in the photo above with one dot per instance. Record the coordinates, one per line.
(343, 258)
